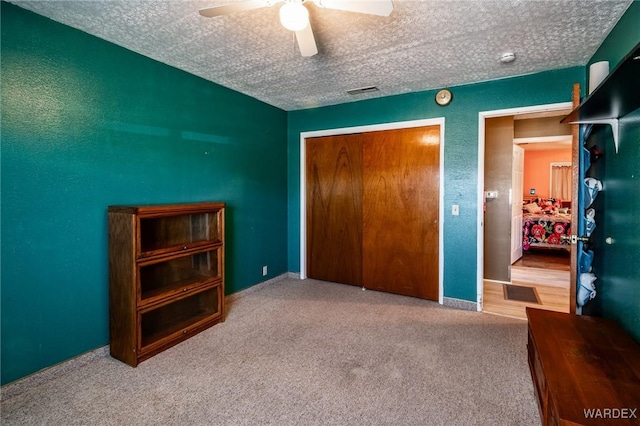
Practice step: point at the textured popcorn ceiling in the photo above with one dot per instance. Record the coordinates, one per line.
(424, 44)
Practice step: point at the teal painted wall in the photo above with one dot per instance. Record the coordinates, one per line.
(87, 124)
(617, 266)
(621, 39)
(460, 155)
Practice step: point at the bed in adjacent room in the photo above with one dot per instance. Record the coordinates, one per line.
(544, 222)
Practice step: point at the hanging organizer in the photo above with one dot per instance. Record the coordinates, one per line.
(615, 97)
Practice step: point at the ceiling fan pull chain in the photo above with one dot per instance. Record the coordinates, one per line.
(293, 42)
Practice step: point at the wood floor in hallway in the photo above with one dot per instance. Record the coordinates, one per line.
(546, 271)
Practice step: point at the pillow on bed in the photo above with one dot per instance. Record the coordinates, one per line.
(532, 208)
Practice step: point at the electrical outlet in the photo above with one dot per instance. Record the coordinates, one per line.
(264, 270)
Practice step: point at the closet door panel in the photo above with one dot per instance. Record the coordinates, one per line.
(401, 187)
(334, 208)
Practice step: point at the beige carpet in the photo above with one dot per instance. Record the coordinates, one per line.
(304, 353)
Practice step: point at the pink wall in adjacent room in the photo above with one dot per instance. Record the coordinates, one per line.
(537, 168)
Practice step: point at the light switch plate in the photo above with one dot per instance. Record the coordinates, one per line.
(455, 210)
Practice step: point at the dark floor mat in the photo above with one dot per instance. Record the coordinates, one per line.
(521, 293)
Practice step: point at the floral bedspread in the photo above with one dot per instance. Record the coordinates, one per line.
(545, 230)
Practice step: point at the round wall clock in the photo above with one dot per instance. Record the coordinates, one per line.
(443, 97)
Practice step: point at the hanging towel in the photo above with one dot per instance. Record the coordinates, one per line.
(586, 289)
(593, 186)
(590, 221)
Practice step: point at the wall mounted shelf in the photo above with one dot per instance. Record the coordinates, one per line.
(617, 96)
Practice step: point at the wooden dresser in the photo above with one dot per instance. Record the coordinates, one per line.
(585, 370)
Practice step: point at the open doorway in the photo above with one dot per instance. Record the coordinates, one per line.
(545, 195)
(522, 260)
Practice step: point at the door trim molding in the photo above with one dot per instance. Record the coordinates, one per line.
(482, 116)
(364, 129)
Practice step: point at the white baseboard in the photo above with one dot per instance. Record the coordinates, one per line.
(260, 286)
(459, 304)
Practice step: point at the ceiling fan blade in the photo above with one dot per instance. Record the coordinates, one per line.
(372, 7)
(306, 42)
(226, 9)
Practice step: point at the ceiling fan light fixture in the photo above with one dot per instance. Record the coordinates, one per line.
(294, 16)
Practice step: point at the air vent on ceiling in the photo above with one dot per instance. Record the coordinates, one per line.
(362, 90)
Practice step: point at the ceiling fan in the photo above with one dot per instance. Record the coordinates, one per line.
(294, 15)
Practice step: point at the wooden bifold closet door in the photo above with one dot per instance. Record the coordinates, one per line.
(373, 210)
(334, 208)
